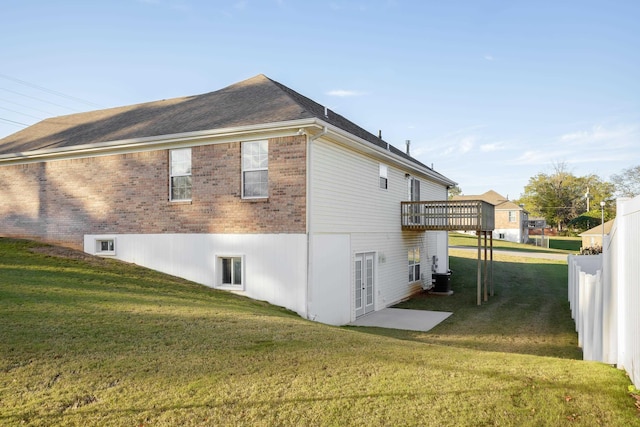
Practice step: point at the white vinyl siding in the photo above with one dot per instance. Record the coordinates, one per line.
(342, 201)
(276, 274)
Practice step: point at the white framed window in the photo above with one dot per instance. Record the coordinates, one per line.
(255, 169)
(105, 246)
(384, 181)
(414, 264)
(230, 273)
(512, 216)
(180, 174)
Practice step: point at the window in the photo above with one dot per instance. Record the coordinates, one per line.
(180, 171)
(105, 246)
(230, 275)
(414, 196)
(501, 236)
(255, 164)
(414, 189)
(512, 216)
(414, 264)
(383, 177)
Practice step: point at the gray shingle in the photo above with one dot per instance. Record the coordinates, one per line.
(258, 100)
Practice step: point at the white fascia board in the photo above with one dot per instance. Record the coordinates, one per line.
(178, 140)
(358, 143)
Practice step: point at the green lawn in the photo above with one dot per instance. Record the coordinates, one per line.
(556, 244)
(86, 341)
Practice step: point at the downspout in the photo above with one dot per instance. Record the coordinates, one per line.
(310, 140)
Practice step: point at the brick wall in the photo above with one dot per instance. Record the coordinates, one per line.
(60, 201)
(502, 219)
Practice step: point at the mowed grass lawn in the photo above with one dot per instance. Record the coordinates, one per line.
(95, 342)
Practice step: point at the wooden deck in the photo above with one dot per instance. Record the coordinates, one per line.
(448, 215)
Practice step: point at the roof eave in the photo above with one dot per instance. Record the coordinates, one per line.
(155, 142)
(347, 137)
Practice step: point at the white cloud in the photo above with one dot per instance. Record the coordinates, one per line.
(600, 133)
(240, 5)
(487, 148)
(488, 57)
(538, 157)
(344, 93)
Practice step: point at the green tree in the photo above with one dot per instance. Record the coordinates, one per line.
(561, 196)
(627, 182)
(454, 191)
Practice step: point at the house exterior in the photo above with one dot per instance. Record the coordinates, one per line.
(511, 220)
(253, 188)
(593, 237)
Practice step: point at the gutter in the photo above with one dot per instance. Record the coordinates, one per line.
(185, 139)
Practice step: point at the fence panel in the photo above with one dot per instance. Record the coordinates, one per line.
(604, 291)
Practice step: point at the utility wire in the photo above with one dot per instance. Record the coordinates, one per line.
(39, 99)
(24, 114)
(13, 122)
(27, 106)
(51, 91)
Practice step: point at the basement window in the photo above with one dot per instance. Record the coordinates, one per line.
(105, 246)
(230, 272)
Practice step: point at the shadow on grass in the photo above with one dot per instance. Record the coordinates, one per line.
(528, 313)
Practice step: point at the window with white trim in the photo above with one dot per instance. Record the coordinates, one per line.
(414, 264)
(384, 181)
(105, 246)
(512, 216)
(230, 272)
(255, 169)
(180, 172)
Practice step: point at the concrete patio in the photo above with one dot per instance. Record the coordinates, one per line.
(399, 318)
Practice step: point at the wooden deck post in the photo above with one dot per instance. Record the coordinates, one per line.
(479, 276)
(486, 271)
(491, 264)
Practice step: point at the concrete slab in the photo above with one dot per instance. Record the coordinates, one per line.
(400, 318)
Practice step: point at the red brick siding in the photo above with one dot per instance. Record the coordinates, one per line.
(60, 201)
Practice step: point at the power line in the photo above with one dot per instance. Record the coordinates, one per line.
(13, 122)
(51, 91)
(27, 106)
(39, 99)
(18, 112)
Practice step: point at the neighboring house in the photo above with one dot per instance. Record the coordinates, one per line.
(511, 220)
(253, 188)
(593, 237)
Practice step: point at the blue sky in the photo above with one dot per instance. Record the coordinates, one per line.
(489, 92)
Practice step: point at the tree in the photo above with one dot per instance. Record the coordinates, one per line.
(455, 191)
(561, 196)
(627, 183)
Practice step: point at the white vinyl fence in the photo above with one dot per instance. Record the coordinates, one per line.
(604, 294)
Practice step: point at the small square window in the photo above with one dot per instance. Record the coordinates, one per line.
(106, 246)
(230, 274)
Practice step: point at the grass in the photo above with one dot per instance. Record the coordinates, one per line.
(569, 245)
(86, 341)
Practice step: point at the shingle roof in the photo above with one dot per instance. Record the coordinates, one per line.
(597, 230)
(258, 100)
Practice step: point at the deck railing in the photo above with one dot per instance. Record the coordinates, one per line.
(450, 215)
